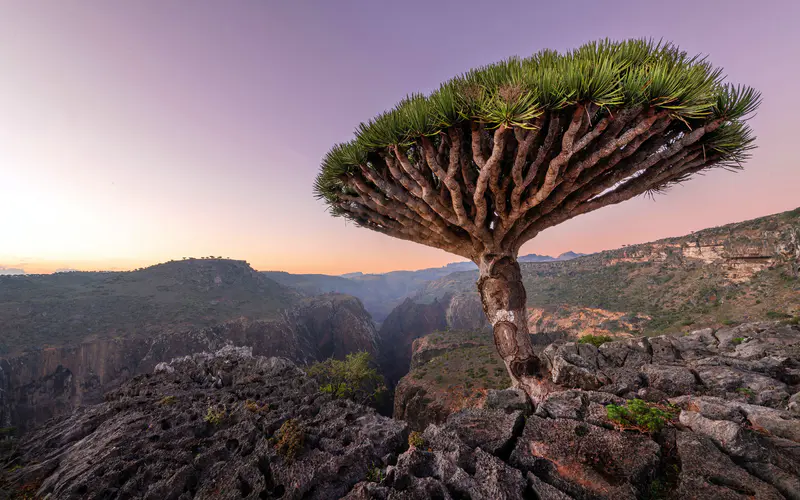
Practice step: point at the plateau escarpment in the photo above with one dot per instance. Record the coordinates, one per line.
(740, 272)
(65, 309)
(238, 305)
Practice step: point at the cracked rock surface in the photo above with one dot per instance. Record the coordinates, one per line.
(155, 438)
(729, 436)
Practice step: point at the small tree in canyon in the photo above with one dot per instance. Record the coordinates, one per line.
(495, 156)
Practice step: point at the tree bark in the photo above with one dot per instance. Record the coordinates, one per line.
(504, 302)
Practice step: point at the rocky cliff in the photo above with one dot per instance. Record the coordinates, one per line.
(718, 418)
(41, 383)
(405, 323)
(412, 320)
(756, 363)
(737, 273)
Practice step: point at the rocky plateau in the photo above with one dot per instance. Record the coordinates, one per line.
(215, 426)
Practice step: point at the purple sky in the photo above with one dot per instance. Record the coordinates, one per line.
(137, 132)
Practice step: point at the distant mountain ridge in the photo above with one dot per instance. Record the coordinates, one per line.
(68, 308)
(66, 338)
(381, 293)
(467, 266)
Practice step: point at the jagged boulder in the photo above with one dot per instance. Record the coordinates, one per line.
(672, 380)
(585, 460)
(508, 400)
(491, 430)
(757, 363)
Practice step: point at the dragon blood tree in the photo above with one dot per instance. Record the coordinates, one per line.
(495, 156)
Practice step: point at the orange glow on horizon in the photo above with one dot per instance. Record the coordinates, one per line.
(135, 133)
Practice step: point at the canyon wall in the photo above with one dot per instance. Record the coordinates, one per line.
(42, 383)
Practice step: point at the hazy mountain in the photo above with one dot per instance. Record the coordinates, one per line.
(66, 308)
(381, 293)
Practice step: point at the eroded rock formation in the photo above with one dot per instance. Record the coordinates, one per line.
(208, 426)
(40, 384)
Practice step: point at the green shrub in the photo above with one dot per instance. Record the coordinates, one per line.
(746, 391)
(737, 340)
(777, 315)
(375, 475)
(353, 378)
(416, 440)
(290, 440)
(168, 400)
(215, 416)
(729, 322)
(640, 415)
(595, 340)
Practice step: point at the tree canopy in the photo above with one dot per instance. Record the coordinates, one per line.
(496, 155)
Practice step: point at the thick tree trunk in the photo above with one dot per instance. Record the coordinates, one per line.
(503, 298)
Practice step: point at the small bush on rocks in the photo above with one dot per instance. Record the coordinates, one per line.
(640, 415)
(375, 475)
(746, 391)
(416, 440)
(168, 400)
(352, 378)
(291, 439)
(595, 340)
(215, 416)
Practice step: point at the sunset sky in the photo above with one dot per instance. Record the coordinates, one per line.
(136, 132)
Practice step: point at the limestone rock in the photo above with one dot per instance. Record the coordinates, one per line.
(708, 473)
(491, 430)
(508, 400)
(672, 380)
(585, 460)
(182, 431)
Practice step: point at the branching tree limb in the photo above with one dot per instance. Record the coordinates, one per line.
(494, 157)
